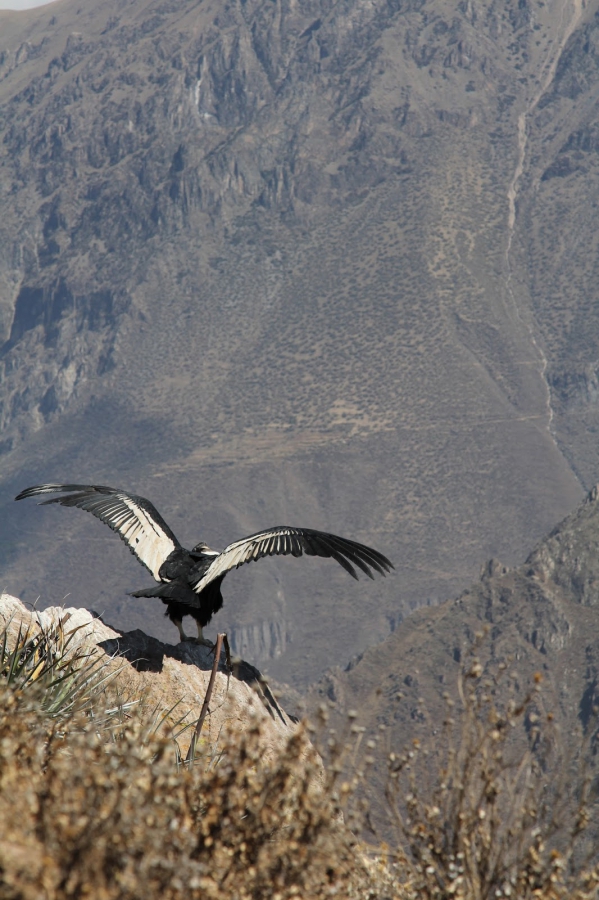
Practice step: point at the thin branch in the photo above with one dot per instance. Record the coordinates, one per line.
(192, 747)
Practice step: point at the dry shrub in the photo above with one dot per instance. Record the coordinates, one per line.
(509, 814)
(100, 806)
(83, 816)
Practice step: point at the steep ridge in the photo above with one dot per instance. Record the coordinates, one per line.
(253, 266)
(539, 619)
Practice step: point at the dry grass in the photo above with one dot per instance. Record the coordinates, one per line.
(82, 816)
(101, 806)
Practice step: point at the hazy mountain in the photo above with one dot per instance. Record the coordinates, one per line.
(325, 264)
(540, 618)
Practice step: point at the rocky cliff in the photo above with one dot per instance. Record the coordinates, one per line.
(538, 621)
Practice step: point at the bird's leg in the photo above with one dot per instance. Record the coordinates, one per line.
(201, 639)
(182, 634)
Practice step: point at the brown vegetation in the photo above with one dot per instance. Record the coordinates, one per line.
(509, 814)
(95, 801)
(84, 816)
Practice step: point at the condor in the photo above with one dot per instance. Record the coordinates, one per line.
(189, 581)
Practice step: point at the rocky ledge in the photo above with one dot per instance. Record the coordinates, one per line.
(168, 675)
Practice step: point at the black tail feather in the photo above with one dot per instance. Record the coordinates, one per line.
(174, 591)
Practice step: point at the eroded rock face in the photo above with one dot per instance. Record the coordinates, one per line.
(166, 674)
(539, 621)
(568, 557)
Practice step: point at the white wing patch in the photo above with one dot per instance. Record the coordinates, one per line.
(139, 524)
(284, 540)
(241, 552)
(148, 542)
(136, 521)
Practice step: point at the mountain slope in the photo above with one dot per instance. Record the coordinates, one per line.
(537, 621)
(274, 263)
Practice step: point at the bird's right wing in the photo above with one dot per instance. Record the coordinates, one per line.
(285, 540)
(136, 521)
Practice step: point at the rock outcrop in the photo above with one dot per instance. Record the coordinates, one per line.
(168, 677)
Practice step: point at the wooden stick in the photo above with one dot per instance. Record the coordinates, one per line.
(192, 747)
(228, 659)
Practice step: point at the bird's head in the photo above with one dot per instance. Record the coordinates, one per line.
(202, 549)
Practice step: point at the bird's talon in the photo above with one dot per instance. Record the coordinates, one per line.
(204, 642)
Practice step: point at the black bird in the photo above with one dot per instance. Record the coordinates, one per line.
(189, 580)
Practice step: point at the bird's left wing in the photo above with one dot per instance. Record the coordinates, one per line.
(284, 540)
(136, 521)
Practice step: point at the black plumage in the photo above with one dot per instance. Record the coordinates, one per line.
(189, 581)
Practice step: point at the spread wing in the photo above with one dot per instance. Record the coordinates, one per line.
(284, 540)
(135, 520)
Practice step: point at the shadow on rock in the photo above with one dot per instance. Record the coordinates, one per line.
(147, 654)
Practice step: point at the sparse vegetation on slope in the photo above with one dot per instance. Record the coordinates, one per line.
(90, 811)
(509, 814)
(267, 246)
